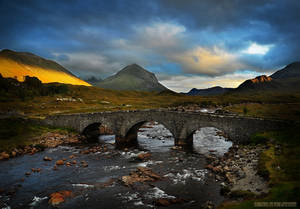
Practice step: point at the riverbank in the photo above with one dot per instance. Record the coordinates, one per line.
(19, 136)
(237, 171)
(278, 165)
(40, 143)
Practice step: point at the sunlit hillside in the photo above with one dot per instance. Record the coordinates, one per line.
(18, 69)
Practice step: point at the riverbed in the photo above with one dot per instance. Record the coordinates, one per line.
(95, 177)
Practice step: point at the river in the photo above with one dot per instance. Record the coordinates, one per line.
(183, 172)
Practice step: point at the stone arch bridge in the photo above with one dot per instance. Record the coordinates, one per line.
(182, 125)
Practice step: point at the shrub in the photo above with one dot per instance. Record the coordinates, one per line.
(258, 139)
(242, 194)
(262, 169)
(245, 110)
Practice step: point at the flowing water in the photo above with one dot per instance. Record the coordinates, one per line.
(184, 174)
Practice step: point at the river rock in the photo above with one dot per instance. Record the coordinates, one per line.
(72, 156)
(46, 158)
(59, 197)
(144, 156)
(163, 202)
(85, 151)
(36, 170)
(142, 174)
(218, 169)
(13, 153)
(229, 177)
(4, 155)
(60, 162)
(209, 166)
(84, 164)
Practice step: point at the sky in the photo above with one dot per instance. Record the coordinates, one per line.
(187, 44)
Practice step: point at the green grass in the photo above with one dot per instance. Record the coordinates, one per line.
(285, 111)
(259, 138)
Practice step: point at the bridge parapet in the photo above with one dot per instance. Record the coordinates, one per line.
(181, 124)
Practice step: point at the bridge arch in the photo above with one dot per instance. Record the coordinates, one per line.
(95, 129)
(131, 131)
(189, 129)
(190, 136)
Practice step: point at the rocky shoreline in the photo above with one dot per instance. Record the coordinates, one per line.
(47, 140)
(237, 171)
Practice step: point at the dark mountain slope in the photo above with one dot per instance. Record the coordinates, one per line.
(217, 90)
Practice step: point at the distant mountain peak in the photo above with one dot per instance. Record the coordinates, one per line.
(134, 68)
(216, 90)
(93, 80)
(133, 77)
(134, 65)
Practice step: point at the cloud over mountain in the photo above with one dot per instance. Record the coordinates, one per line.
(207, 38)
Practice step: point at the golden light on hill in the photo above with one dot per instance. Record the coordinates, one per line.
(10, 68)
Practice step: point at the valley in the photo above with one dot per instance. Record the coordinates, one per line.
(158, 169)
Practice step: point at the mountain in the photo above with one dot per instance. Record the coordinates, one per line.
(19, 64)
(93, 80)
(132, 77)
(290, 71)
(217, 90)
(286, 79)
(262, 82)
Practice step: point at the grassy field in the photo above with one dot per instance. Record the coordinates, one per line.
(284, 111)
(93, 99)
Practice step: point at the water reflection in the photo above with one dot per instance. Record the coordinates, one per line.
(109, 139)
(210, 140)
(156, 138)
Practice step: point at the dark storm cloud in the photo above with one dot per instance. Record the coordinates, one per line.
(64, 20)
(99, 37)
(264, 21)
